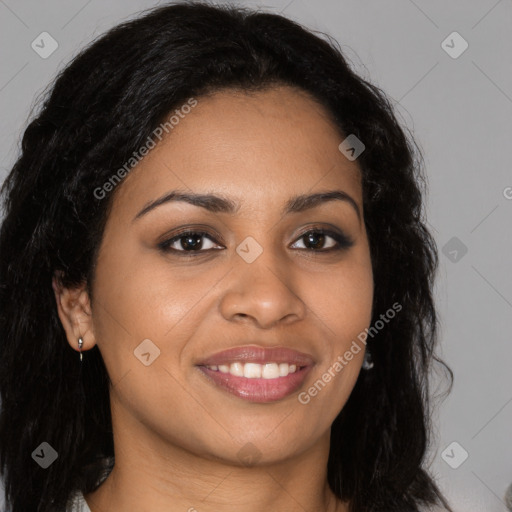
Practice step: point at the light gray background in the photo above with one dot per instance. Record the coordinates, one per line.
(460, 112)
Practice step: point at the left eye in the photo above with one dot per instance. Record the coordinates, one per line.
(318, 237)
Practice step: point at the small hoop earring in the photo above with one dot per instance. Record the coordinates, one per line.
(80, 343)
(368, 361)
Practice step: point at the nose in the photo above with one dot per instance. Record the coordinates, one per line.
(263, 292)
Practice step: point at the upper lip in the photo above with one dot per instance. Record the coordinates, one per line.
(257, 354)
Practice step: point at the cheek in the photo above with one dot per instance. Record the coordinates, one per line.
(343, 299)
(143, 296)
(342, 304)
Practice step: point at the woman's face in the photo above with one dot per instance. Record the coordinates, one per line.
(259, 279)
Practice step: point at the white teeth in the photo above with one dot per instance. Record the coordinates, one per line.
(270, 371)
(252, 370)
(237, 369)
(255, 370)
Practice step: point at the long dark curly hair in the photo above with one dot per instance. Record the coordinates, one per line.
(101, 108)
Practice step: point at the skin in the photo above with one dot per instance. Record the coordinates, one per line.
(176, 435)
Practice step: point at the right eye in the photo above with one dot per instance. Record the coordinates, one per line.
(190, 242)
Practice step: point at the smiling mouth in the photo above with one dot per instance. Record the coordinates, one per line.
(257, 374)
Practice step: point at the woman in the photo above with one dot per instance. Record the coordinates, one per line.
(216, 282)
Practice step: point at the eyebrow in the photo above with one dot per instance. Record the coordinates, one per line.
(218, 204)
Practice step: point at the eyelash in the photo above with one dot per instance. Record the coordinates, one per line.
(343, 242)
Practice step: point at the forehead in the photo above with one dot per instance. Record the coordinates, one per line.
(252, 146)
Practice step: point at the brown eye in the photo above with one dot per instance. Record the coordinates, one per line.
(189, 242)
(315, 240)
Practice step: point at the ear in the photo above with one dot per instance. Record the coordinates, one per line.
(74, 308)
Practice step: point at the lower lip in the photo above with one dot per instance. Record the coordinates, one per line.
(258, 390)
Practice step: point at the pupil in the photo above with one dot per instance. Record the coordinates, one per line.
(192, 242)
(318, 236)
